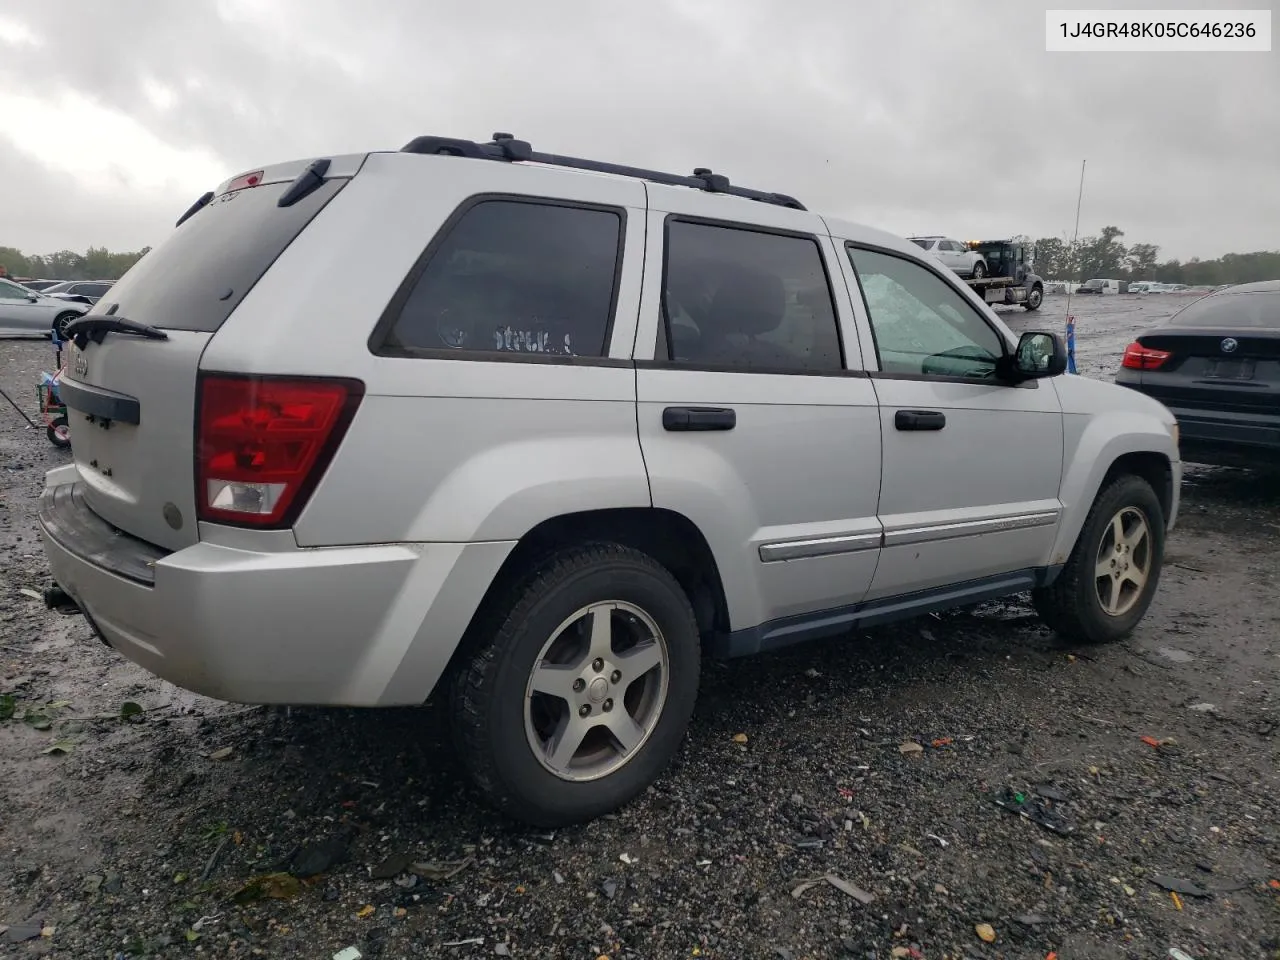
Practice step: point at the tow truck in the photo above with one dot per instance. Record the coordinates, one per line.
(1009, 279)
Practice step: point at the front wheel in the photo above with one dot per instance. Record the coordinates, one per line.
(582, 686)
(1035, 297)
(1111, 576)
(979, 270)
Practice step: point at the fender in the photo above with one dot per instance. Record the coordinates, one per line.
(1093, 443)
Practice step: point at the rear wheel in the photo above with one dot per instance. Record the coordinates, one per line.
(62, 321)
(583, 687)
(979, 270)
(1111, 576)
(1035, 297)
(59, 432)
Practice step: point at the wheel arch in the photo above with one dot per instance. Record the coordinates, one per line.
(669, 537)
(1086, 476)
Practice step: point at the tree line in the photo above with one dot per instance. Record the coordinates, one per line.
(98, 263)
(1107, 256)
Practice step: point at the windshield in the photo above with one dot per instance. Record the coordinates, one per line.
(1232, 310)
(1095, 284)
(922, 244)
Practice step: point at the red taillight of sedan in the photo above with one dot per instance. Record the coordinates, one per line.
(1138, 357)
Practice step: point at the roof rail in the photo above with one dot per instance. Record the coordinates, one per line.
(505, 147)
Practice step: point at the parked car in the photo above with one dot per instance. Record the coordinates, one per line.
(1101, 286)
(80, 291)
(577, 426)
(33, 284)
(25, 312)
(1216, 364)
(955, 255)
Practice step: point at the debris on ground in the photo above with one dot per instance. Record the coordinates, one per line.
(844, 886)
(1037, 809)
(222, 753)
(441, 870)
(348, 953)
(1188, 888)
(986, 933)
(271, 886)
(911, 748)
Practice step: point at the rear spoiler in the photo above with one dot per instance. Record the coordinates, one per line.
(301, 177)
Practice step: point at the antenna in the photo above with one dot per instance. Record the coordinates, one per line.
(1071, 321)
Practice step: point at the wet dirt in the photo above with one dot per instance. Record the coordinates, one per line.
(133, 840)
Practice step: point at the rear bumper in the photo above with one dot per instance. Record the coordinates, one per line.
(349, 626)
(1228, 439)
(1219, 437)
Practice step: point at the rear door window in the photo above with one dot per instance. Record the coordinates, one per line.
(199, 274)
(513, 276)
(748, 299)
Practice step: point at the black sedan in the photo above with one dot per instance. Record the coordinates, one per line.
(1216, 365)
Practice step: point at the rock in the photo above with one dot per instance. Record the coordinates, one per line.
(112, 883)
(502, 950)
(1203, 708)
(911, 749)
(22, 932)
(391, 867)
(316, 858)
(986, 933)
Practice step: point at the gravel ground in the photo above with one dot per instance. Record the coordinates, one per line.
(140, 837)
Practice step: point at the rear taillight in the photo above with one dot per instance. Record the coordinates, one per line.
(1138, 357)
(262, 444)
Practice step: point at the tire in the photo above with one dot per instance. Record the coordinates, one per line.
(979, 270)
(62, 320)
(1072, 605)
(499, 720)
(58, 433)
(1035, 297)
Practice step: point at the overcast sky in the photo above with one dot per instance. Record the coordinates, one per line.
(918, 117)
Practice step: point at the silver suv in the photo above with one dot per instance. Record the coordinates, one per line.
(958, 256)
(578, 426)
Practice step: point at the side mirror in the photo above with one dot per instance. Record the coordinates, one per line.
(1038, 355)
(33, 297)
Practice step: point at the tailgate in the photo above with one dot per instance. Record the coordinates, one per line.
(130, 399)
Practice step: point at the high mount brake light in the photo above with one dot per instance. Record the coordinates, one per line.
(262, 444)
(247, 180)
(1138, 357)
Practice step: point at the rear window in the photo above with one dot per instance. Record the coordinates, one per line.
(922, 244)
(515, 276)
(199, 274)
(1232, 310)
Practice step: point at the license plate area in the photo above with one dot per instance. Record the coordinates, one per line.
(1230, 370)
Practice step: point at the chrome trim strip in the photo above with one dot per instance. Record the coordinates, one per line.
(968, 528)
(818, 547)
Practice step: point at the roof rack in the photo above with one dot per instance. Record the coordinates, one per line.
(506, 147)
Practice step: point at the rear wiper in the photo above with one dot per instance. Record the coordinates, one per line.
(195, 208)
(97, 327)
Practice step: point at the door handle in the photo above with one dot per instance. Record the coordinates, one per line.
(919, 420)
(699, 418)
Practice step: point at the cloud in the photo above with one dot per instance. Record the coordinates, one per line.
(920, 117)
